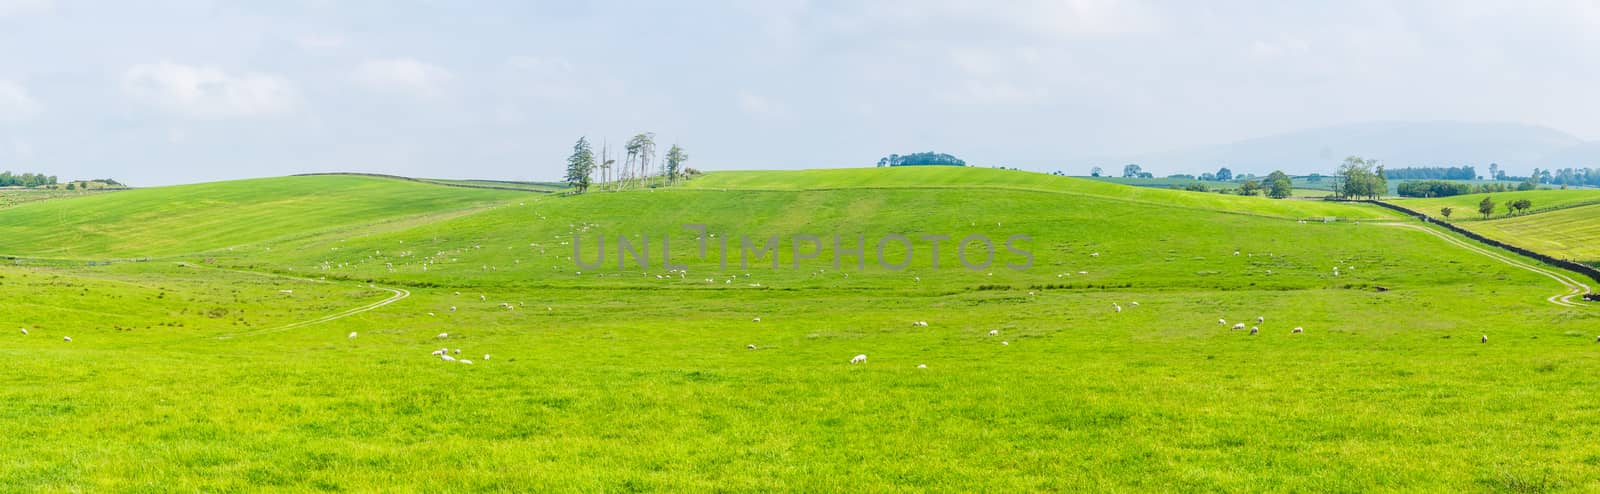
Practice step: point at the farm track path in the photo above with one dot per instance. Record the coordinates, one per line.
(398, 295)
(1574, 287)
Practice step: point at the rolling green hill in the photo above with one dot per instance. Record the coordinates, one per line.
(193, 218)
(1562, 223)
(1466, 206)
(1103, 367)
(1570, 233)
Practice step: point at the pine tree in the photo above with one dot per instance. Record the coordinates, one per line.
(580, 165)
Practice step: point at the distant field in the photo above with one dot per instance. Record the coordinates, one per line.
(1466, 206)
(1571, 233)
(947, 177)
(1107, 370)
(532, 186)
(174, 220)
(12, 197)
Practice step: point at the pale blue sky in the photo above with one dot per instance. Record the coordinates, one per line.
(188, 90)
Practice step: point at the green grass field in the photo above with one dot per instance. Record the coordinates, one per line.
(1562, 223)
(188, 375)
(1466, 206)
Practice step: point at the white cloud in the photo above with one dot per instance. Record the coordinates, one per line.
(403, 75)
(320, 43)
(207, 92)
(1268, 50)
(993, 92)
(20, 7)
(761, 106)
(15, 104)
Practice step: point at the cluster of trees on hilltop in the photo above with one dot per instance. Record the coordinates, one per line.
(8, 179)
(1433, 172)
(1361, 179)
(640, 166)
(920, 159)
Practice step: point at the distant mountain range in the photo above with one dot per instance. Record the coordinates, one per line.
(1516, 147)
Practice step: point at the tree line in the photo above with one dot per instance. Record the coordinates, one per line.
(920, 159)
(639, 168)
(1433, 172)
(8, 179)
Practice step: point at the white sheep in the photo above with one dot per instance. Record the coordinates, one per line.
(994, 332)
(1094, 254)
(464, 361)
(24, 331)
(452, 308)
(352, 335)
(443, 336)
(1005, 343)
(1222, 322)
(1135, 304)
(756, 320)
(751, 346)
(68, 339)
(1238, 326)
(1485, 339)
(447, 358)
(486, 356)
(859, 359)
(1299, 329)
(1254, 329)
(1261, 319)
(438, 352)
(458, 351)
(922, 366)
(1117, 307)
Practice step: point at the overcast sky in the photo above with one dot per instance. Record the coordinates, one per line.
(181, 91)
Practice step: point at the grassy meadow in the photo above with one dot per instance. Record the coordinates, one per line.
(1562, 223)
(188, 372)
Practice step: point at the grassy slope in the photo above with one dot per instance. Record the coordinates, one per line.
(1466, 206)
(1564, 223)
(971, 178)
(1571, 233)
(192, 218)
(615, 380)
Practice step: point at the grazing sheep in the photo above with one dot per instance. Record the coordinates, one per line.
(1094, 254)
(1238, 326)
(286, 292)
(859, 359)
(1135, 304)
(1261, 319)
(756, 320)
(1298, 329)
(443, 336)
(922, 366)
(430, 314)
(352, 335)
(1222, 322)
(452, 308)
(486, 356)
(994, 332)
(1485, 339)
(458, 351)
(1005, 343)
(447, 358)
(438, 352)
(24, 331)
(1254, 330)
(1117, 307)
(751, 346)
(67, 339)
(464, 361)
